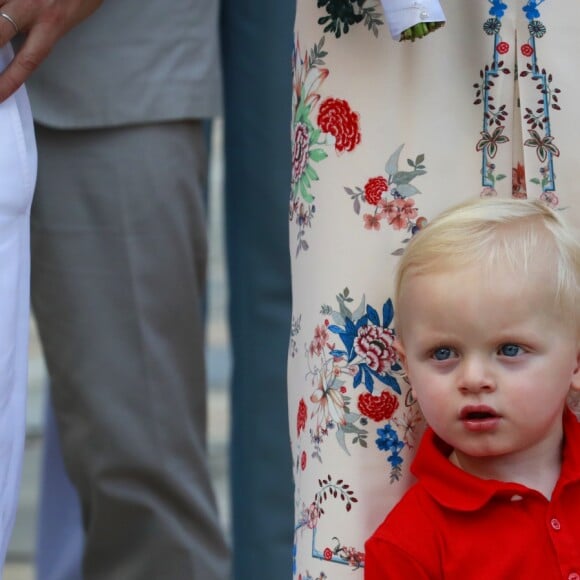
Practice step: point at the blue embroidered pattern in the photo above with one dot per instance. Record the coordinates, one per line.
(492, 137)
(546, 150)
(330, 490)
(531, 9)
(537, 120)
(498, 8)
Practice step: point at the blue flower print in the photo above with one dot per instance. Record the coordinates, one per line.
(498, 8)
(368, 345)
(388, 440)
(531, 9)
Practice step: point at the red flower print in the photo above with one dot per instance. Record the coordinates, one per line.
(503, 47)
(372, 222)
(328, 553)
(519, 182)
(399, 212)
(336, 117)
(375, 345)
(303, 459)
(312, 515)
(527, 50)
(353, 556)
(378, 407)
(301, 417)
(300, 146)
(374, 189)
(421, 222)
(320, 339)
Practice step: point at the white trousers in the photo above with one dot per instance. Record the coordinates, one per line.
(17, 180)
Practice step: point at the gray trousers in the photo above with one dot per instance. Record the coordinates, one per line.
(118, 276)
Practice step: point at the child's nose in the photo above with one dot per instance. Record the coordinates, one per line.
(476, 376)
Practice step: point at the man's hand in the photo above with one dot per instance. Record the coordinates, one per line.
(43, 22)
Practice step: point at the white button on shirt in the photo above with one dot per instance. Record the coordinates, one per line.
(555, 524)
(402, 14)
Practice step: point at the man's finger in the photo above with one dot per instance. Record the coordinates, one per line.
(11, 20)
(44, 22)
(10, 25)
(32, 52)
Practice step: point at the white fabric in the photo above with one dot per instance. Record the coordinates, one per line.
(402, 14)
(386, 135)
(17, 179)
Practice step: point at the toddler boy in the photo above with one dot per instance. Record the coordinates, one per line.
(488, 325)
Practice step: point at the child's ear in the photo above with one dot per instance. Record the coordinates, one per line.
(401, 353)
(403, 360)
(575, 385)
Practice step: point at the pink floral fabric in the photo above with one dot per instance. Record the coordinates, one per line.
(386, 135)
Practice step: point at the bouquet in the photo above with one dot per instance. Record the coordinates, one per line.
(420, 30)
(404, 12)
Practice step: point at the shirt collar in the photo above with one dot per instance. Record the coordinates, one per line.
(571, 452)
(454, 488)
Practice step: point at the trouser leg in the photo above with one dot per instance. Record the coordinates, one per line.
(17, 176)
(59, 536)
(119, 257)
(257, 145)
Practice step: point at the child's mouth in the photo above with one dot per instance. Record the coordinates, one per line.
(479, 415)
(479, 418)
(479, 412)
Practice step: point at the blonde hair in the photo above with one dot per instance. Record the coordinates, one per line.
(485, 231)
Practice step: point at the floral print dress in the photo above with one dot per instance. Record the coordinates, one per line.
(386, 135)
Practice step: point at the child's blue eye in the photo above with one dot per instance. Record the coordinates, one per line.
(510, 350)
(442, 353)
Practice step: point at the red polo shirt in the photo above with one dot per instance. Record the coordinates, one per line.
(453, 525)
